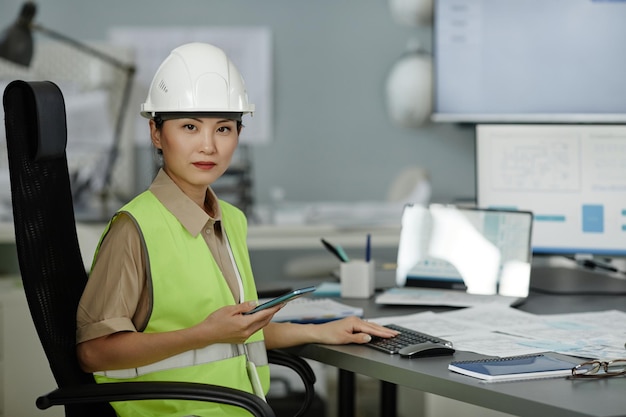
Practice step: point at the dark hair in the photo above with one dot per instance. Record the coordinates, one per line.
(158, 123)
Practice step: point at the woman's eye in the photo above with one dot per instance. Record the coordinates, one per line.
(223, 129)
(189, 127)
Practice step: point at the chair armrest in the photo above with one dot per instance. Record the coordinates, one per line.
(127, 391)
(97, 393)
(300, 367)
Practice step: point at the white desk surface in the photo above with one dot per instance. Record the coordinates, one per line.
(545, 398)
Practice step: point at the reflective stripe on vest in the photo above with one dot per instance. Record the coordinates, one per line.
(255, 351)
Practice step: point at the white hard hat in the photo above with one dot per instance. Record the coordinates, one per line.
(409, 90)
(412, 12)
(197, 78)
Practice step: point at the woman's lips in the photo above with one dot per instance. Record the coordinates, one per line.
(204, 165)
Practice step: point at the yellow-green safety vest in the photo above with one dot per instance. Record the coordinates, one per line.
(187, 286)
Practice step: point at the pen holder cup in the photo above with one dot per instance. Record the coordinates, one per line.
(357, 279)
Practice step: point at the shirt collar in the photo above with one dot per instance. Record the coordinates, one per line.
(189, 214)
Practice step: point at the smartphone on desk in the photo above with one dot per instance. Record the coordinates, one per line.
(291, 295)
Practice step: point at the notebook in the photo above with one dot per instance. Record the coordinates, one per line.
(514, 368)
(461, 257)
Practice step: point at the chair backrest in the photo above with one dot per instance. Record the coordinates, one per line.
(49, 256)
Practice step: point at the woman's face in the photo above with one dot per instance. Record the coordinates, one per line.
(196, 151)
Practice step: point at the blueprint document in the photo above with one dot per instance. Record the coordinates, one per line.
(497, 330)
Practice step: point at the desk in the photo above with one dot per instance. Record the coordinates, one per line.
(537, 398)
(550, 397)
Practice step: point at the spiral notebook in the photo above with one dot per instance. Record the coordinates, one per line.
(315, 310)
(514, 368)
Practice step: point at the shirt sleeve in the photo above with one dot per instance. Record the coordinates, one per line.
(116, 289)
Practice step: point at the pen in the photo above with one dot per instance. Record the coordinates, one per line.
(342, 254)
(335, 250)
(593, 264)
(368, 248)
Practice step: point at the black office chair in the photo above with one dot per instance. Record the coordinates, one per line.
(53, 272)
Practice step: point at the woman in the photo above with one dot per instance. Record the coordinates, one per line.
(172, 276)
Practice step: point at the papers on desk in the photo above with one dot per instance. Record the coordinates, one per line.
(315, 310)
(502, 331)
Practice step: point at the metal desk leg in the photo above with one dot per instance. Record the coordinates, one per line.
(346, 393)
(388, 399)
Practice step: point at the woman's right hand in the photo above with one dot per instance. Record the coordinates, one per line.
(229, 325)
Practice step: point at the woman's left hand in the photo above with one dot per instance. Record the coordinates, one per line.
(350, 330)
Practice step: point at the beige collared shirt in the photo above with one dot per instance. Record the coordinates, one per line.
(118, 295)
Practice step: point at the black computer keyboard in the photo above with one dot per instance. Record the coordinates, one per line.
(405, 338)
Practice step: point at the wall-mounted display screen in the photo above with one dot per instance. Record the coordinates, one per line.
(572, 177)
(545, 61)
